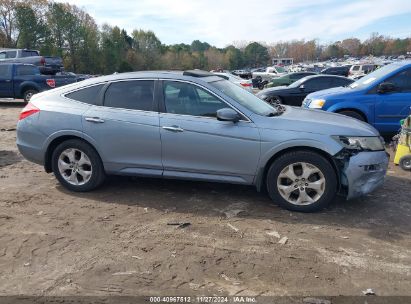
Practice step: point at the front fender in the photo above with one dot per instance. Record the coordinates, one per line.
(329, 148)
(270, 151)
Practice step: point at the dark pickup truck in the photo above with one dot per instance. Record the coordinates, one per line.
(18, 80)
(47, 64)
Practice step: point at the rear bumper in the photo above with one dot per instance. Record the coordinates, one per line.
(29, 141)
(364, 172)
(31, 154)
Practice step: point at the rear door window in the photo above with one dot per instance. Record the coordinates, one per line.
(88, 95)
(29, 53)
(337, 82)
(11, 54)
(317, 84)
(4, 71)
(23, 70)
(133, 95)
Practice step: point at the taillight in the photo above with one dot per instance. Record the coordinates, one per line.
(51, 83)
(43, 61)
(28, 110)
(244, 84)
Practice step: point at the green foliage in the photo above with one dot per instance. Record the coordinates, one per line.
(198, 46)
(256, 54)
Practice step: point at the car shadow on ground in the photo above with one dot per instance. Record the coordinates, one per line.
(385, 213)
(12, 104)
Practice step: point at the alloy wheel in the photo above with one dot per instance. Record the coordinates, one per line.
(301, 183)
(75, 166)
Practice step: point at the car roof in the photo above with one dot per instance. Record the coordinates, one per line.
(325, 75)
(197, 77)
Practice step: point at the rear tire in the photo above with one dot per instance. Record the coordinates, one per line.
(352, 114)
(302, 181)
(28, 94)
(77, 166)
(405, 162)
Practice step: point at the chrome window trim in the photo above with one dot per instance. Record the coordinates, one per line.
(212, 93)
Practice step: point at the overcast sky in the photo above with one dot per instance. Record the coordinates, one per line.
(220, 22)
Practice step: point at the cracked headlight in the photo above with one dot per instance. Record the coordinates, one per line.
(316, 104)
(373, 143)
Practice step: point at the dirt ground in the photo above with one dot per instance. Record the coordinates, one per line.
(117, 241)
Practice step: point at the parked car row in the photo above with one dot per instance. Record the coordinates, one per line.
(381, 98)
(295, 93)
(47, 64)
(18, 80)
(246, 84)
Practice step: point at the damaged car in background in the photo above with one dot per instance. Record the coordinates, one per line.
(195, 125)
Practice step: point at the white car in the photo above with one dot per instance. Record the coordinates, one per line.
(359, 70)
(269, 73)
(244, 83)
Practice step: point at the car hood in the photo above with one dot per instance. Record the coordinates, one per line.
(317, 121)
(269, 91)
(331, 93)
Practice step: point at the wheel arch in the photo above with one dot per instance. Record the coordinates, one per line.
(358, 111)
(262, 174)
(28, 86)
(58, 140)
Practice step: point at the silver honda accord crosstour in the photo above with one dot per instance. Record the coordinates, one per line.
(198, 126)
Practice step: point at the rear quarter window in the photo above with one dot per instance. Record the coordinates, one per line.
(88, 95)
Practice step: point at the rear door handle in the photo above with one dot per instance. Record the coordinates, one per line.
(94, 119)
(173, 129)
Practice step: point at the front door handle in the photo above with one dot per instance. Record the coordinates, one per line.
(173, 129)
(94, 119)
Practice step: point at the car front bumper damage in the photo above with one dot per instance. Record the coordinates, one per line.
(363, 172)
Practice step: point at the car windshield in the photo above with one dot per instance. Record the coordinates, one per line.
(243, 97)
(280, 69)
(372, 77)
(297, 83)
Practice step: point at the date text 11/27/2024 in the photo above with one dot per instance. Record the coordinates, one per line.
(203, 299)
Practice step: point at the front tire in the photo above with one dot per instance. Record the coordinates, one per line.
(405, 162)
(77, 166)
(302, 181)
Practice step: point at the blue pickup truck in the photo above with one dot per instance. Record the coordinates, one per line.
(18, 80)
(382, 98)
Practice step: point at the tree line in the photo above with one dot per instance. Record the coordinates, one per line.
(65, 30)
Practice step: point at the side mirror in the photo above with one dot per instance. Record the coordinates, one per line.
(228, 114)
(386, 87)
(302, 87)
